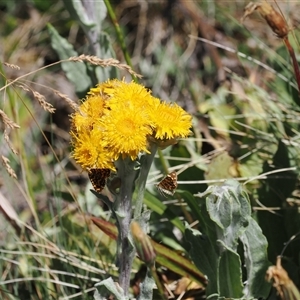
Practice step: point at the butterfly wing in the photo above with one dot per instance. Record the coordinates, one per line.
(168, 185)
(98, 178)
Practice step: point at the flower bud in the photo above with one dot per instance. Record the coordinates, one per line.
(274, 19)
(142, 244)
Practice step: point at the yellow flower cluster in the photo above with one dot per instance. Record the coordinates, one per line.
(121, 119)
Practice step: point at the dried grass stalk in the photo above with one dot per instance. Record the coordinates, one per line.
(8, 123)
(10, 171)
(6, 138)
(109, 62)
(12, 66)
(42, 100)
(72, 104)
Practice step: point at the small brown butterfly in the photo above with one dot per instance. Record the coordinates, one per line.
(168, 185)
(98, 178)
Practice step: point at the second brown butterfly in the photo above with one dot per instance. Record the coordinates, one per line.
(168, 185)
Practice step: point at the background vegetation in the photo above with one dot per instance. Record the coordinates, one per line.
(242, 94)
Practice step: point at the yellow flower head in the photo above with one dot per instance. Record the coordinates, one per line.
(125, 132)
(171, 121)
(89, 152)
(119, 119)
(106, 89)
(89, 111)
(131, 95)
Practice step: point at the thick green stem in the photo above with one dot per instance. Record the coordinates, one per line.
(127, 171)
(142, 180)
(123, 210)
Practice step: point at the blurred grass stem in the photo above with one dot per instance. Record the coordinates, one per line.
(294, 60)
(119, 35)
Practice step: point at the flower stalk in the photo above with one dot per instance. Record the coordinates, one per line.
(142, 180)
(115, 134)
(123, 209)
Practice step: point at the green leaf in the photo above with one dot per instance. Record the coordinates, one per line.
(76, 72)
(204, 256)
(178, 264)
(218, 110)
(89, 16)
(191, 202)
(229, 208)
(219, 210)
(226, 220)
(230, 274)
(219, 167)
(273, 193)
(256, 260)
(156, 205)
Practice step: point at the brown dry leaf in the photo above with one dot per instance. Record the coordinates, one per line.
(184, 285)
(281, 281)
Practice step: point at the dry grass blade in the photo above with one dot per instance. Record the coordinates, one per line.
(10, 214)
(10, 171)
(6, 138)
(40, 98)
(8, 123)
(110, 62)
(7, 209)
(12, 66)
(72, 103)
